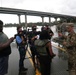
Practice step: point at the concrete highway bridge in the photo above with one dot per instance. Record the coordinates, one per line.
(20, 12)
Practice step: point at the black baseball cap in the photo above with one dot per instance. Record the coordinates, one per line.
(18, 27)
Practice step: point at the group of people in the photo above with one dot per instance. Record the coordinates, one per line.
(45, 34)
(31, 36)
(40, 47)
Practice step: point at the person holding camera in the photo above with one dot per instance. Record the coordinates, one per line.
(21, 41)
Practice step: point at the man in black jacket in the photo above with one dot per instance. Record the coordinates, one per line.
(32, 36)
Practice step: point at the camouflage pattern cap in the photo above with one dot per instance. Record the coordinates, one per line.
(70, 24)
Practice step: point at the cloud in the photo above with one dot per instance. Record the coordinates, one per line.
(41, 5)
(53, 6)
(67, 7)
(10, 3)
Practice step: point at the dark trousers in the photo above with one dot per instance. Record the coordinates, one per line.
(45, 64)
(22, 53)
(4, 65)
(34, 53)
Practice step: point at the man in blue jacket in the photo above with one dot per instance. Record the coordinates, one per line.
(22, 43)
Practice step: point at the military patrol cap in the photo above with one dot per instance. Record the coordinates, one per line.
(70, 24)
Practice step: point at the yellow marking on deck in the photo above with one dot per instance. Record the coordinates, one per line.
(37, 71)
(59, 48)
(29, 56)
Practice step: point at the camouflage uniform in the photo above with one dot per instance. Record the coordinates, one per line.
(71, 50)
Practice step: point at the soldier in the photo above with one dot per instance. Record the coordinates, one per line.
(70, 44)
(49, 30)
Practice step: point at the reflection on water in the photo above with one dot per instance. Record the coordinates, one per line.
(10, 31)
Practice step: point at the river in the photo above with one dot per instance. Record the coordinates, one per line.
(11, 31)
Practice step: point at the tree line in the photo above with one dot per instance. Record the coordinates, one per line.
(40, 23)
(28, 24)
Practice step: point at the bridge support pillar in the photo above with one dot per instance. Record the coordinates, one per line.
(19, 19)
(55, 20)
(42, 20)
(50, 20)
(26, 21)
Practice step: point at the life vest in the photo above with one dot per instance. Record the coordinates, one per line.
(41, 46)
(22, 37)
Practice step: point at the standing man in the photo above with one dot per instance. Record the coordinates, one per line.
(47, 28)
(70, 44)
(5, 50)
(21, 41)
(32, 36)
(49, 31)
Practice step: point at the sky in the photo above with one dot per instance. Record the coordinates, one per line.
(66, 7)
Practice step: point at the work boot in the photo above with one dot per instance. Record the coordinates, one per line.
(22, 69)
(72, 72)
